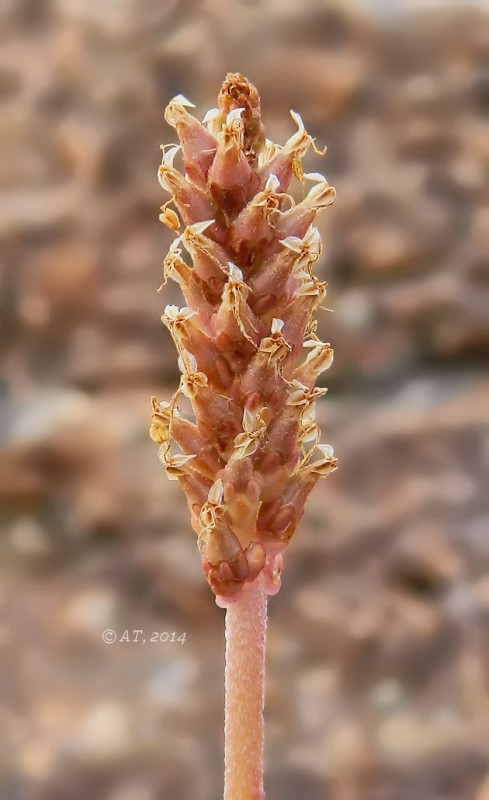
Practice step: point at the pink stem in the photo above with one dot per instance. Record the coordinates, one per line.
(246, 623)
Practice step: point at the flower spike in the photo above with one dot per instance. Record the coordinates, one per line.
(248, 350)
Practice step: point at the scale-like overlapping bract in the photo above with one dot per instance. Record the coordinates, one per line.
(249, 454)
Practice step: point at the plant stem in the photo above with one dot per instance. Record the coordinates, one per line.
(246, 622)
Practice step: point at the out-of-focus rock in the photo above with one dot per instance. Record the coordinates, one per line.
(37, 760)
(88, 614)
(63, 281)
(382, 248)
(423, 558)
(483, 791)
(29, 541)
(133, 791)
(404, 737)
(89, 354)
(47, 414)
(171, 684)
(104, 734)
(482, 593)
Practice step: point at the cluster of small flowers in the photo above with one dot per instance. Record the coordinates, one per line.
(245, 445)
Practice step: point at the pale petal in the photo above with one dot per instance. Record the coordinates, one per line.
(298, 136)
(171, 312)
(234, 115)
(296, 398)
(187, 362)
(272, 183)
(181, 100)
(321, 195)
(211, 115)
(234, 272)
(162, 451)
(326, 451)
(216, 492)
(241, 440)
(186, 312)
(198, 227)
(309, 415)
(169, 156)
(180, 459)
(249, 421)
(293, 243)
(311, 432)
(314, 176)
(277, 325)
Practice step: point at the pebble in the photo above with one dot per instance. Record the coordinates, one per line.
(483, 790)
(88, 614)
(133, 790)
(104, 734)
(404, 737)
(423, 554)
(354, 310)
(314, 696)
(47, 413)
(29, 540)
(388, 696)
(170, 685)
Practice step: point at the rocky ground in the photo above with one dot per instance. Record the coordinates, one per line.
(378, 663)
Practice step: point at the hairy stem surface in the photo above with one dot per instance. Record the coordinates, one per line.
(246, 621)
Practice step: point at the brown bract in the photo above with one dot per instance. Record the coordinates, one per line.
(248, 453)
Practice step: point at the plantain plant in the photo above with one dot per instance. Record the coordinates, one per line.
(239, 434)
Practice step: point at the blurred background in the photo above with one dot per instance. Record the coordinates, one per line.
(378, 659)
